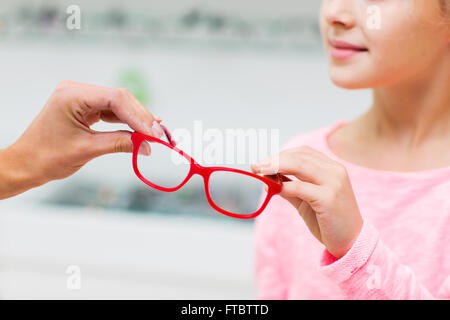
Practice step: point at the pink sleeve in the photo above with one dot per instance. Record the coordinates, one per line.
(370, 270)
(269, 281)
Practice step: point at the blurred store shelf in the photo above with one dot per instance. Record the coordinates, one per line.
(192, 24)
(122, 255)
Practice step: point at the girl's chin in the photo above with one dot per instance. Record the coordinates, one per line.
(348, 79)
(349, 84)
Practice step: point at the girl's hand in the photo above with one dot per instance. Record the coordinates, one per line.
(60, 141)
(323, 195)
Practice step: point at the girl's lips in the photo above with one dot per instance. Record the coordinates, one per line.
(344, 50)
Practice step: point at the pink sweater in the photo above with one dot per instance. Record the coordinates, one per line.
(402, 252)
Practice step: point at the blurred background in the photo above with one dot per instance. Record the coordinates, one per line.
(229, 64)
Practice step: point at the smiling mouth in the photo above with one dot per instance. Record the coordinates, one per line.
(344, 50)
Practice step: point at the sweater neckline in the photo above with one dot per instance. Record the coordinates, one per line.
(421, 174)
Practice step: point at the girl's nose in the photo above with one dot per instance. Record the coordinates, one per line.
(339, 13)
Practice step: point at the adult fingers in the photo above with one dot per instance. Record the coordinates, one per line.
(109, 116)
(115, 141)
(93, 99)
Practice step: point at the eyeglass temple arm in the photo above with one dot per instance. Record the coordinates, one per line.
(281, 178)
(168, 135)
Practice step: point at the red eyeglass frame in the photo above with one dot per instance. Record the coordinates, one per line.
(195, 168)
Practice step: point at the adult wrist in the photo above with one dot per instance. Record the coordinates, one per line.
(18, 172)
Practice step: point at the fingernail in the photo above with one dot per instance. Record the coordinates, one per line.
(158, 131)
(262, 164)
(148, 129)
(266, 188)
(157, 118)
(266, 166)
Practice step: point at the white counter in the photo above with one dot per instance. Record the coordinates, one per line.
(122, 255)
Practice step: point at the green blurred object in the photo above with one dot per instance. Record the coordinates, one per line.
(134, 80)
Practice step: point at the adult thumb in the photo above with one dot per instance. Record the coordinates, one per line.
(116, 141)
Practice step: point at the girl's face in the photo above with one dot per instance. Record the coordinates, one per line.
(377, 43)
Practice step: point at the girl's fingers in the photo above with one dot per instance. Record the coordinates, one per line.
(305, 166)
(307, 149)
(295, 191)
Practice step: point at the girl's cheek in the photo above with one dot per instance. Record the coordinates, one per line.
(387, 20)
(392, 36)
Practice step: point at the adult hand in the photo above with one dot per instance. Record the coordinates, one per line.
(322, 195)
(60, 141)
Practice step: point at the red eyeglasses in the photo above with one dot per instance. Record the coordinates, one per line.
(179, 167)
